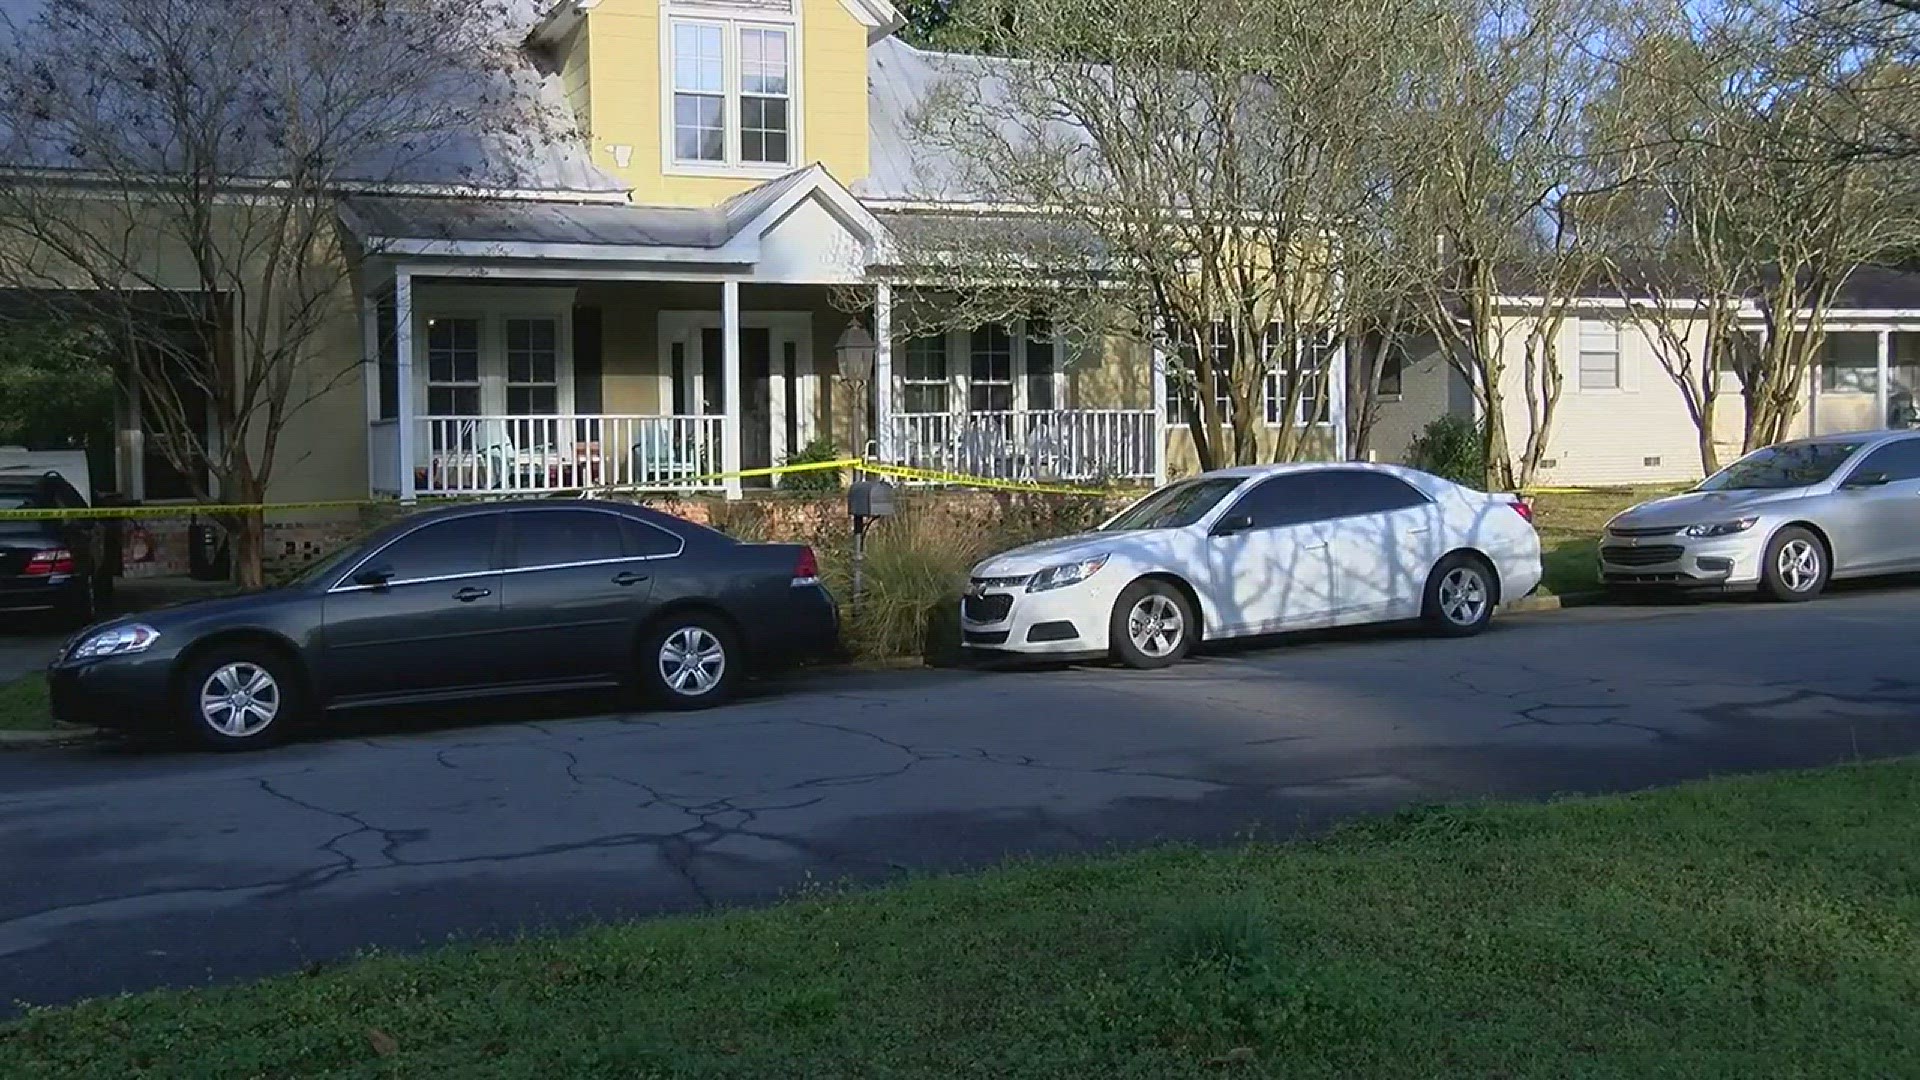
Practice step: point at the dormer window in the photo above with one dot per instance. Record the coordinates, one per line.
(733, 87)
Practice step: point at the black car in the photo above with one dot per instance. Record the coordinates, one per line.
(461, 603)
(58, 566)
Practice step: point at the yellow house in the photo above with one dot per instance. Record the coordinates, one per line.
(691, 288)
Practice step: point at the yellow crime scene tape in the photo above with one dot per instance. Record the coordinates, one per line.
(878, 468)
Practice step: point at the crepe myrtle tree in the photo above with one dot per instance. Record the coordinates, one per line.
(169, 174)
(1191, 174)
(1494, 175)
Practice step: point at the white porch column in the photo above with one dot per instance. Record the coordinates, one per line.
(403, 364)
(1881, 362)
(1158, 374)
(882, 373)
(1337, 398)
(730, 383)
(370, 371)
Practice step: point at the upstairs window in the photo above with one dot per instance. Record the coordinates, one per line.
(733, 93)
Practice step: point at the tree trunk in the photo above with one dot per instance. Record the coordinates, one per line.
(246, 532)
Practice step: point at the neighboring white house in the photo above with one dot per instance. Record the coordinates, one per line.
(1622, 419)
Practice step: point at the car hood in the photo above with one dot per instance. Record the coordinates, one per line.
(237, 610)
(1701, 507)
(1032, 558)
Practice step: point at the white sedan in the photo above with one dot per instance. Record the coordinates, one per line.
(1258, 550)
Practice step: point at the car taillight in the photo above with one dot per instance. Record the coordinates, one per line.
(808, 572)
(49, 562)
(1523, 508)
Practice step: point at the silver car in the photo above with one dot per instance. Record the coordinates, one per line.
(1786, 520)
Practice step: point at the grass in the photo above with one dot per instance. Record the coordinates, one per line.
(1756, 926)
(23, 705)
(1569, 523)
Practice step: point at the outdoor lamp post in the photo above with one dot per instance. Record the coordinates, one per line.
(854, 351)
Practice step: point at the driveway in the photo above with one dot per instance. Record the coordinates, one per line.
(128, 869)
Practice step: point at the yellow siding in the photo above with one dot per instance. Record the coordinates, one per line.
(576, 73)
(624, 101)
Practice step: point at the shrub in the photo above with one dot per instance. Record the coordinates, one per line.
(1453, 448)
(821, 449)
(916, 567)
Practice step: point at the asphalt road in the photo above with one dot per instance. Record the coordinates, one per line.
(122, 868)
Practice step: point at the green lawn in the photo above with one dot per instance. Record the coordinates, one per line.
(23, 705)
(1751, 927)
(1569, 524)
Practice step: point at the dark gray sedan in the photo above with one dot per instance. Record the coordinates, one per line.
(1786, 520)
(456, 604)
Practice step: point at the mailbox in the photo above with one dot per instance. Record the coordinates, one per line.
(870, 499)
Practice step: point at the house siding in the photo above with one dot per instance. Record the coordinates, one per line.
(624, 104)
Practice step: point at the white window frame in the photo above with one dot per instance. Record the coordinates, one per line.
(1178, 406)
(493, 309)
(960, 371)
(731, 21)
(1273, 387)
(944, 382)
(1581, 352)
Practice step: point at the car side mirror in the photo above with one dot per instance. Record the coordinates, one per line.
(1865, 480)
(1232, 523)
(373, 575)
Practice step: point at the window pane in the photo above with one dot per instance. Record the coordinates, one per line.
(1898, 461)
(553, 537)
(699, 57)
(462, 546)
(992, 354)
(926, 398)
(763, 127)
(763, 61)
(1391, 367)
(1355, 493)
(645, 540)
(533, 401)
(1286, 500)
(1599, 371)
(926, 358)
(698, 128)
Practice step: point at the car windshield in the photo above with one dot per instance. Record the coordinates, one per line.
(1176, 506)
(1789, 465)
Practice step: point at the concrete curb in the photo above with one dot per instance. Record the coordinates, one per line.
(1553, 603)
(59, 736)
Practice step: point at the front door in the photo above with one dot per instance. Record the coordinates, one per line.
(433, 623)
(1276, 573)
(776, 380)
(575, 593)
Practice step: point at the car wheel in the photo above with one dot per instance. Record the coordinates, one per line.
(690, 661)
(1152, 626)
(1460, 596)
(1797, 566)
(239, 699)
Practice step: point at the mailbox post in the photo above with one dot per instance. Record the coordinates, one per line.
(867, 502)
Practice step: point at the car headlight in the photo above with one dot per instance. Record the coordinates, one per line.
(1073, 573)
(119, 641)
(1722, 528)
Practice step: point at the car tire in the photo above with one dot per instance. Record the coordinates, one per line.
(1460, 596)
(690, 661)
(1152, 626)
(239, 698)
(1797, 566)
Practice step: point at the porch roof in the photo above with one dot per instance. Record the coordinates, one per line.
(770, 228)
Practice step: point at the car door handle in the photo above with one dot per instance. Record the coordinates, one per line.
(1418, 532)
(628, 577)
(469, 594)
(1321, 546)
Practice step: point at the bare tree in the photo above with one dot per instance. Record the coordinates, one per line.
(171, 172)
(1496, 176)
(1197, 172)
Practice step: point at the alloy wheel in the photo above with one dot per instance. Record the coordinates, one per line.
(692, 661)
(240, 699)
(1463, 596)
(1156, 625)
(1799, 565)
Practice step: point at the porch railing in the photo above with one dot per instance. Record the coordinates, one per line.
(1070, 444)
(484, 455)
